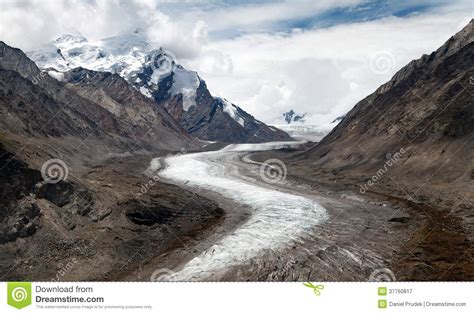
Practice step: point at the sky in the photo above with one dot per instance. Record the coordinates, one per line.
(315, 57)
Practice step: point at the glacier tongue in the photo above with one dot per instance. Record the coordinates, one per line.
(277, 218)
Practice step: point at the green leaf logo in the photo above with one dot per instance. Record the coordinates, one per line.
(19, 294)
(316, 288)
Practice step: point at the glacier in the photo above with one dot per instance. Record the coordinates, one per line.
(276, 217)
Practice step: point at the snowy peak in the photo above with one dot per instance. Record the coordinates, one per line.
(156, 74)
(291, 116)
(161, 77)
(122, 54)
(70, 39)
(159, 63)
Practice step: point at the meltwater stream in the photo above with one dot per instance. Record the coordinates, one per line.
(277, 218)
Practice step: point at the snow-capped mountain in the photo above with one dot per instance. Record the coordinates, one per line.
(157, 75)
(300, 126)
(291, 116)
(307, 132)
(98, 106)
(122, 54)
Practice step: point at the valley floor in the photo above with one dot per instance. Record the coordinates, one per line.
(215, 216)
(344, 236)
(434, 223)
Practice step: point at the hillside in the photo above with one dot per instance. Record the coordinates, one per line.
(424, 115)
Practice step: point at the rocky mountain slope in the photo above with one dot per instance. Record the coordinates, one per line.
(425, 113)
(73, 151)
(408, 146)
(157, 75)
(36, 104)
(411, 143)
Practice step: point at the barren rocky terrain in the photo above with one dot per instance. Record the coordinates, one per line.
(433, 228)
(134, 194)
(411, 144)
(100, 232)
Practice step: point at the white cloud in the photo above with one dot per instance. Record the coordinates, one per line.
(324, 71)
(28, 24)
(321, 71)
(249, 17)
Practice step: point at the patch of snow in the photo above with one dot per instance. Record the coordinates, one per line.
(274, 129)
(261, 146)
(292, 117)
(304, 132)
(185, 82)
(145, 91)
(231, 110)
(207, 143)
(161, 64)
(59, 76)
(70, 39)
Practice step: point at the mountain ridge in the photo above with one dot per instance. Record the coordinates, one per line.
(424, 115)
(32, 99)
(156, 74)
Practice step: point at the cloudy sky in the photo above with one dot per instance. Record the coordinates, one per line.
(316, 57)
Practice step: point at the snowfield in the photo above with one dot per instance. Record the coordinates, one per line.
(130, 56)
